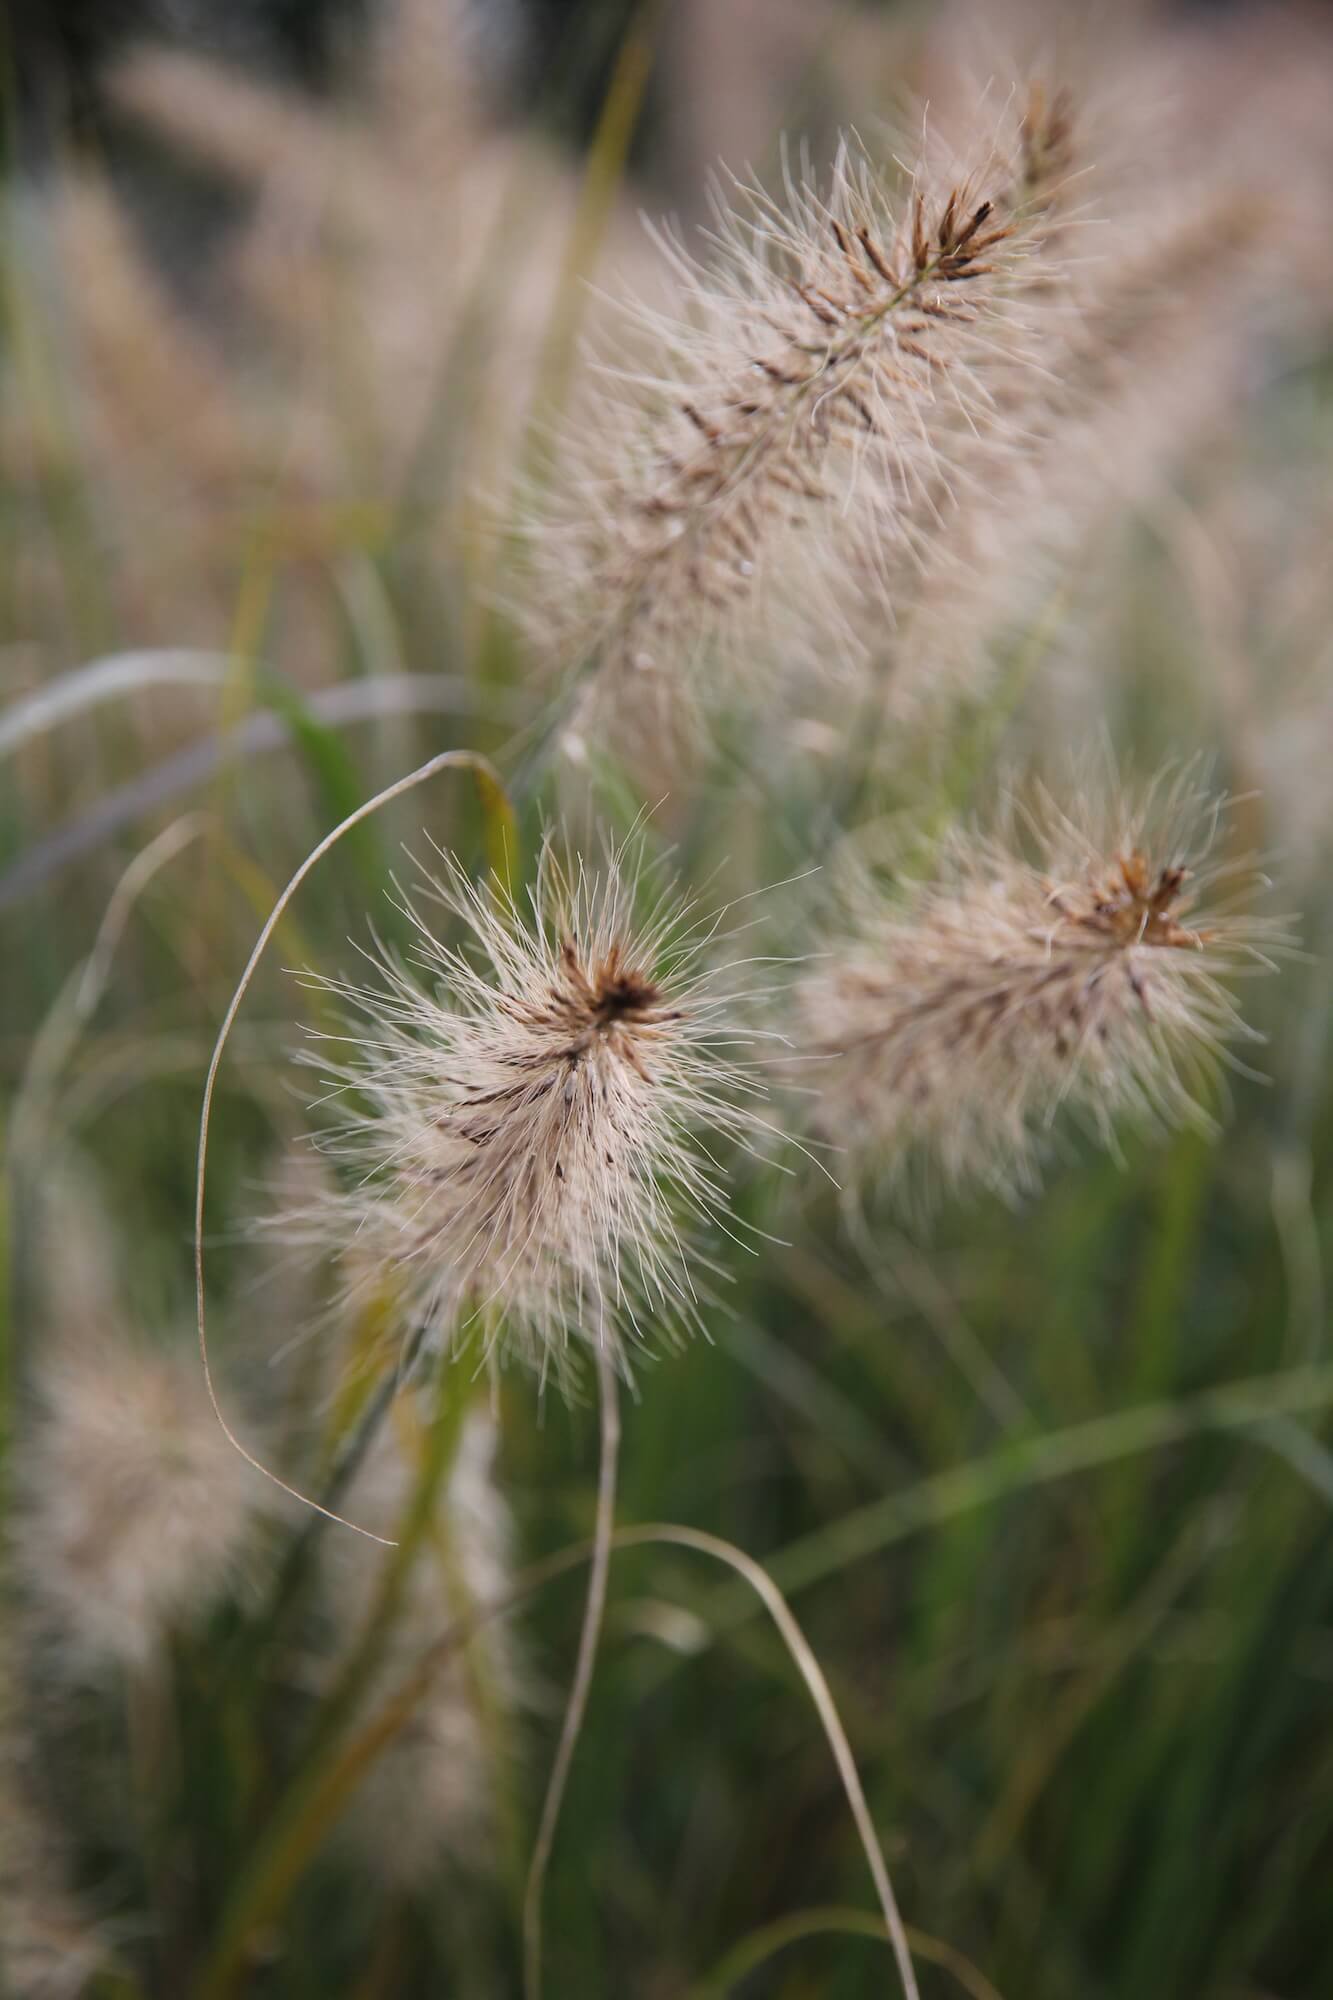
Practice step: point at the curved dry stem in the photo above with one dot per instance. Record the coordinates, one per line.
(577, 1704)
(254, 734)
(101, 680)
(81, 994)
(756, 1950)
(446, 760)
(813, 1675)
(35, 1101)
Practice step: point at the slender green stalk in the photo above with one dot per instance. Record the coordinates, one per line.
(246, 1658)
(576, 1706)
(441, 1445)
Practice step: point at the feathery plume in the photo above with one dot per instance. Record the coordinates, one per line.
(1089, 969)
(821, 368)
(430, 1798)
(526, 1122)
(135, 1509)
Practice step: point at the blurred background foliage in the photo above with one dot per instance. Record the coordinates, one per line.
(1049, 1483)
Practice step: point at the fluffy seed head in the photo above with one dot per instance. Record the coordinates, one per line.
(795, 420)
(1085, 964)
(135, 1509)
(522, 1113)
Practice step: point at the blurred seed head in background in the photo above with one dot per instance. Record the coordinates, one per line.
(1080, 957)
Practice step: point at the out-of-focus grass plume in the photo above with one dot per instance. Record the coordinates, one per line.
(1080, 958)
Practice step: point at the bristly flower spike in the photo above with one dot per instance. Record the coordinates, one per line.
(1087, 965)
(527, 1117)
(824, 367)
(136, 1513)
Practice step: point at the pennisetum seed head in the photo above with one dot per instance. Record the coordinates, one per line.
(799, 419)
(134, 1510)
(526, 1115)
(1079, 955)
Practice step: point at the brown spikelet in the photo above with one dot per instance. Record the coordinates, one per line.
(1046, 143)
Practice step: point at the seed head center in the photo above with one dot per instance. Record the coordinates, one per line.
(625, 996)
(608, 995)
(1135, 906)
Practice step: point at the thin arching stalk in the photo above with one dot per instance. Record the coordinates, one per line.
(577, 1704)
(830, 1920)
(447, 760)
(812, 1674)
(52, 1045)
(247, 1654)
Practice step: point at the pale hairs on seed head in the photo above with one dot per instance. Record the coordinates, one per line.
(446, 760)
